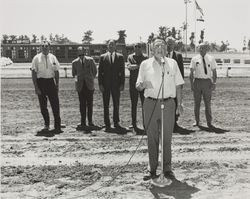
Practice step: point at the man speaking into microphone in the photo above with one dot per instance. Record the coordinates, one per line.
(150, 78)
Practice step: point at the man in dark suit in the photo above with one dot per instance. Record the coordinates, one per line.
(111, 79)
(178, 58)
(84, 72)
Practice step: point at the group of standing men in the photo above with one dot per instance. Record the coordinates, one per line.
(158, 81)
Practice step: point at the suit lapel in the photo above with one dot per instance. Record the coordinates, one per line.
(174, 56)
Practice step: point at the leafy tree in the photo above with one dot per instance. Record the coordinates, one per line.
(224, 46)
(151, 37)
(5, 38)
(43, 38)
(51, 38)
(13, 37)
(173, 32)
(122, 37)
(87, 38)
(214, 47)
(201, 36)
(34, 38)
(191, 38)
(163, 32)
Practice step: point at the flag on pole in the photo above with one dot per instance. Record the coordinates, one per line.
(199, 8)
(200, 19)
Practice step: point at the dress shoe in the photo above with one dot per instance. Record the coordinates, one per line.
(117, 125)
(57, 131)
(211, 127)
(196, 124)
(139, 131)
(149, 175)
(169, 174)
(45, 128)
(91, 124)
(81, 127)
(108, 129)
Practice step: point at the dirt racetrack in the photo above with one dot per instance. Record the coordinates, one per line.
(207, 165)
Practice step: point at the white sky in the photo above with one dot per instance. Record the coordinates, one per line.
(224, 19)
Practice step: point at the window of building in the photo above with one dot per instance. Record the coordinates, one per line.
(236, 61)
(247, 61)
(226, 61)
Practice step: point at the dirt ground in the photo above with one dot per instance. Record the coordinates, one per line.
(207, 165)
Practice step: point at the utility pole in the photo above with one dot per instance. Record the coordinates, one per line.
(186, 2)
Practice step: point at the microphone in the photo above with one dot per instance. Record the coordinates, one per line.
(162, 60)
(163, 63)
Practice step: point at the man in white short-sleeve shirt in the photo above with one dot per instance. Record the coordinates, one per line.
(45, 76)
(150, 78)
(203, 77)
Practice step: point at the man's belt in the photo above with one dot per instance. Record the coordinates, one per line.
(164, 99)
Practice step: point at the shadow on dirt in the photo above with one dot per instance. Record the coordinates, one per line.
(213, 129)
(177, 189)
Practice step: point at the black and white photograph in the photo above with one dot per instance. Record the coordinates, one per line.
(115, 99)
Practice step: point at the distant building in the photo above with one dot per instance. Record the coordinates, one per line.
(24, 52)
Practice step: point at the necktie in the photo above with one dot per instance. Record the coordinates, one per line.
(111, 59)
(204, 64)
(168, 55)
(46, 61)
(82, 62)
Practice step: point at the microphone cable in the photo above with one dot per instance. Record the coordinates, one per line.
(140, 141)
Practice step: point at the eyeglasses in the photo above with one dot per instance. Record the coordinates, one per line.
(45, 46)
(137, 46)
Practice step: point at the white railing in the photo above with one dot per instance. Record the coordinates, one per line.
(23, 71)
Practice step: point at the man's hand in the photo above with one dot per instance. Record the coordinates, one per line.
(101, 88)
(122, 88)
(57, 87)
(192, 87)
(140, 86)
(38, 91)
(179, 109)
(132, 66)
(213, 86)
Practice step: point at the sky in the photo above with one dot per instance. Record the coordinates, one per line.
(224, 19)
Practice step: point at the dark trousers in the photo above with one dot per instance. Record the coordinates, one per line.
(134, 94)
(115, 93)
(49, 91)
(86, 101)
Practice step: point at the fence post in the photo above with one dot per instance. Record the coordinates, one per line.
(65, 70)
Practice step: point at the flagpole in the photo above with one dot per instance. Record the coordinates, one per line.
(186, 1)
(195, 37)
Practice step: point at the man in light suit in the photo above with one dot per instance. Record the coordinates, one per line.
(171, 53)
(111, 79)
(84, 72)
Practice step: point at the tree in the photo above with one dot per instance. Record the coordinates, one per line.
(34, 38)
(43, 38)
(151, 37)
(87, 38)
(173, 32)
(192, 46)
(13, 37)
(163, 32)
(5, 38)
(214, 47)
(201, 36)
(51, 38)
(224, 46)
(122, 36)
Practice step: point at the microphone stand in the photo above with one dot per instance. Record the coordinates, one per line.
(162, 181)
